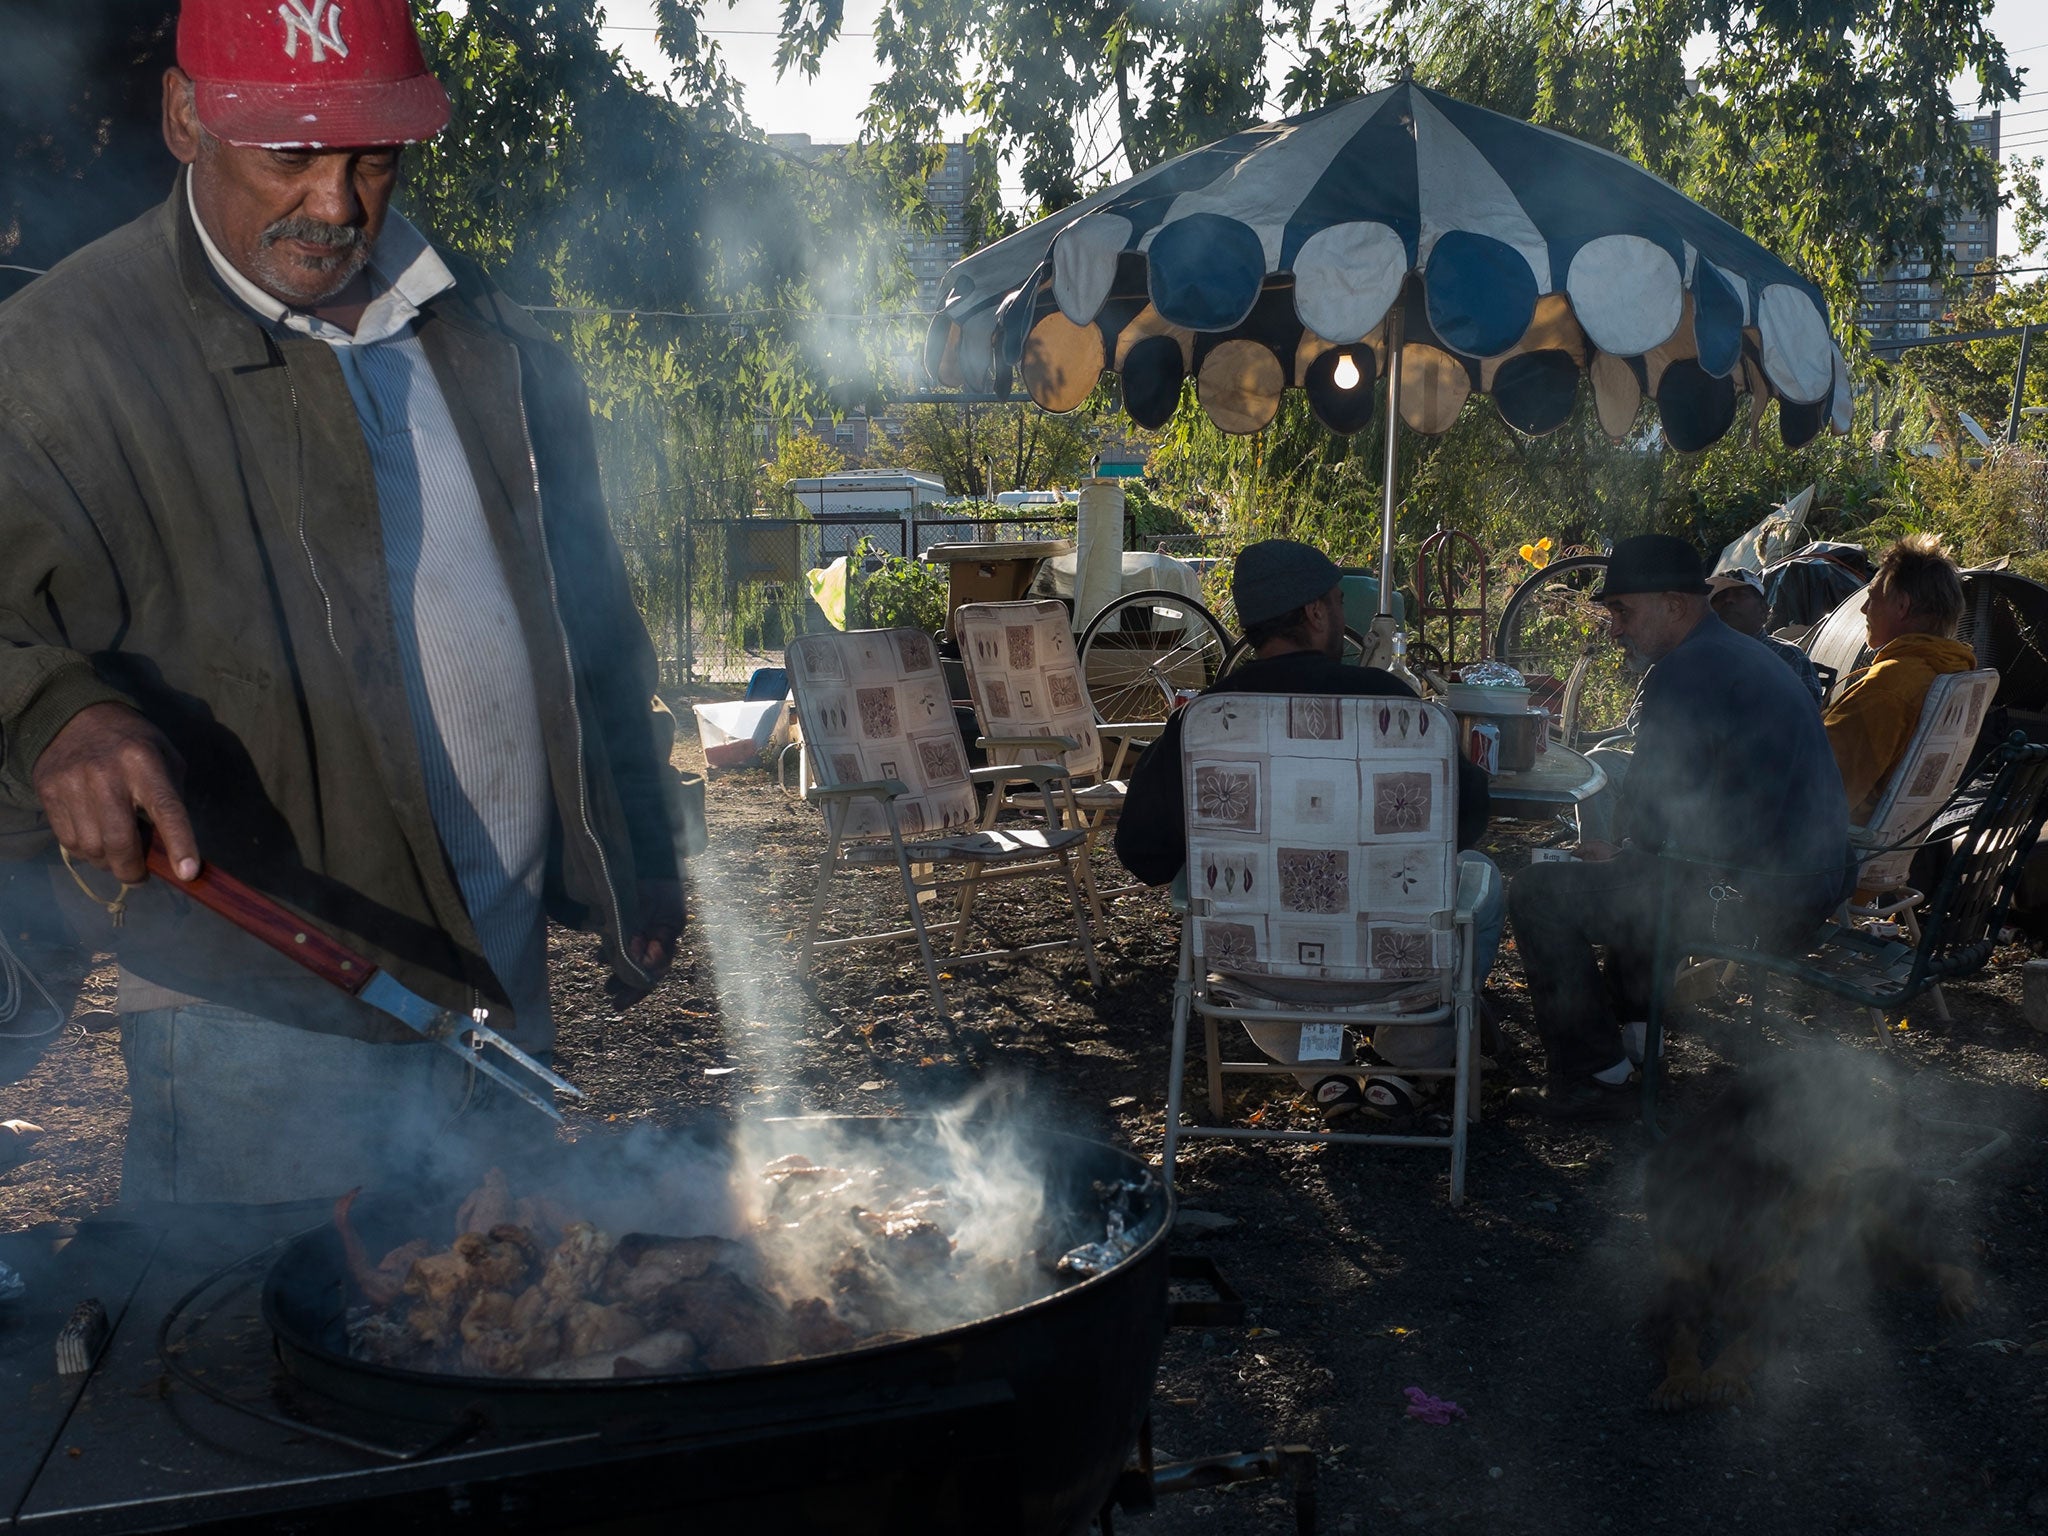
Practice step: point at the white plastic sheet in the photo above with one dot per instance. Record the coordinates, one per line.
(737, 733)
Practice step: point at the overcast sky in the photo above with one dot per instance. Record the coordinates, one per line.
(829, 108)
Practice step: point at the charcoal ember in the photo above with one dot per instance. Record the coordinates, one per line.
(818, 1330)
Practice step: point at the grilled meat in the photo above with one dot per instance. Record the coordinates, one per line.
(525, 1291)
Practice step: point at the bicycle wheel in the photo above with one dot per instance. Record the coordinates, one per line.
(1143, 648)
(1241, 649)
(1553, 632)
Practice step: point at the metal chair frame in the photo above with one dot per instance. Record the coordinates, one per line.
(1221, 998)
(1956, 938)
(900, 669)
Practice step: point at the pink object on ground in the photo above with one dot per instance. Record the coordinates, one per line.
(1431, 1410)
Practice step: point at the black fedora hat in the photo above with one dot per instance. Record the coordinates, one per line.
(1652, 562)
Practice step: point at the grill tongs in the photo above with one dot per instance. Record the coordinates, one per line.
(333, 962)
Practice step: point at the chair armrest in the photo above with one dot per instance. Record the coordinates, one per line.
(1475, 885)
(1040, 774)
(1027, 743)
(1130, 727)
(873, 789)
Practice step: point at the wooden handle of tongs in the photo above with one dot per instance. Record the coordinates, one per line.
(260, 917)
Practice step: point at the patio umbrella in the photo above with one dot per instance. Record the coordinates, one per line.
(1404, 234)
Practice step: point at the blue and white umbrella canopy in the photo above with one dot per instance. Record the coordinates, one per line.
(1520, 260)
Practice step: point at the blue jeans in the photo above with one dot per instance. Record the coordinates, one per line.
(231, 1107)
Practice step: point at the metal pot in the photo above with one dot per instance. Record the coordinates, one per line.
(1045, 1400)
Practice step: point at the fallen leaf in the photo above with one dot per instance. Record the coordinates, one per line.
(719, 1071)
(872, 1087)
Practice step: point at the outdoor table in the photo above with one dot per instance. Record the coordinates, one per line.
(998, 572)
(1560, 779)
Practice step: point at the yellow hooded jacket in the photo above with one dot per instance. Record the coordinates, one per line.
(1873, 717)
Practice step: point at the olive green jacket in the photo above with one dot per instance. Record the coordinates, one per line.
(188, 523)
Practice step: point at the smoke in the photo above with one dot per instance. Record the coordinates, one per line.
(1791, 1204)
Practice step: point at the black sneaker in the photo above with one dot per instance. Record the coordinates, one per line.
(1337, 1099)
(1393, 1097)
(1580, 1098)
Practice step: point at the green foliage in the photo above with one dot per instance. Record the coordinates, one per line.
(1017, 447)
(799, 455)
(1997, 508)
(890, 592)
(1069, 87)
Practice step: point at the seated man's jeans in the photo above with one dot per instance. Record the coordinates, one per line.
(1563, 911)
(1596, 814)
(231, 1107)
(1413, 1045)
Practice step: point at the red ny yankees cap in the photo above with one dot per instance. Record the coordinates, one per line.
(309, 73)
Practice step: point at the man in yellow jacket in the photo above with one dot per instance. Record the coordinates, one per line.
(1915, 599)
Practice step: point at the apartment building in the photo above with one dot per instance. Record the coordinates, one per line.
(1902, 304)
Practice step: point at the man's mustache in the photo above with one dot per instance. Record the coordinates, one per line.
(338, 237)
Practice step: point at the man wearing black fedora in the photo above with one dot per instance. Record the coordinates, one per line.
(1732, 777)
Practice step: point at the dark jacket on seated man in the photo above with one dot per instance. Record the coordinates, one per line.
(1152, 830)
(1732, 767)
(1732, 774)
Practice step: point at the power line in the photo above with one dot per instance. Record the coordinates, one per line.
(1988, 269)
(612, 26)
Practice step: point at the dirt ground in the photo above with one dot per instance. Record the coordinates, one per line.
(1524, 1307)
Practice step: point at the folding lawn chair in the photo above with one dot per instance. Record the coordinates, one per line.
(1033, 704)
(1928, 772)
(1325, 892)
(892, 773)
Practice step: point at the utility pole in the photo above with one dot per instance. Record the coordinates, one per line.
(2019, 385)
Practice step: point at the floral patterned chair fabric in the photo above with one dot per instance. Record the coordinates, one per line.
(1321, 836)
(1025, 675)
(1928, 773)
(1325, 896)
(874, 705)
(892, 773)
(1024, 672)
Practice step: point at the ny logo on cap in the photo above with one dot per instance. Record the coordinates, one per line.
(319, 21)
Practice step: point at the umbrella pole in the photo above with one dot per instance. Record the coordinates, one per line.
(1386, 646)
(1393, 440)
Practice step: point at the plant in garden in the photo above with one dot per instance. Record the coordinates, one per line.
(890, 592)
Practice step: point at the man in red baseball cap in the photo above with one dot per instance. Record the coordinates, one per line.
(309, 568)
(309, 74)
(292, 116)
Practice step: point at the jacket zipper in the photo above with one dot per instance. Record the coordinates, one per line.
(604, 866)
(299, 490)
